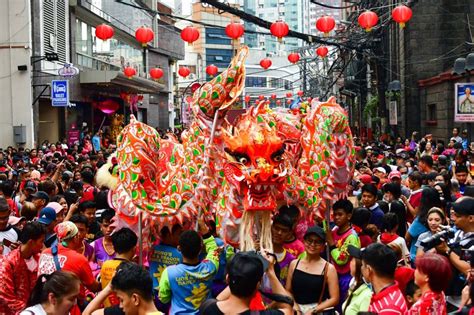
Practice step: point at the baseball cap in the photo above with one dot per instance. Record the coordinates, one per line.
(12, 220)
(30, 185)
(365, 179)
(394, 174)
(464, 206)
(56, 206)
(379, 256)
(41, 195)
(47, 215)
(380, 169)
(316, 230)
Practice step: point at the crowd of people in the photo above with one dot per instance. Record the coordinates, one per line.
(401, 243)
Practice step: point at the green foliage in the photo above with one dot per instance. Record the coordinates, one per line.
(370, 109)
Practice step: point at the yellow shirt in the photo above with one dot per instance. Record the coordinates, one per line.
(106, 274)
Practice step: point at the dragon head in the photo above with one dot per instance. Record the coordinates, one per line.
(255, 163)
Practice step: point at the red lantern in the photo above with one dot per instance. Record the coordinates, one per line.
(322, 51)
(184, 71)
(129, 72)
(309, 99)
(234, 30)
(288, 102)
(195, 86)
(108, 106)
(190, 34)
(247, 98)
(278, 102)
(265, 63)
(300, 93)
(211, 70)
(402, 14)
(104, 31)
(279, 29)
(293, 57)
(289, 94)
(273, 96)
(156, 73)
(144, 35)
(261, 97)
(325, 24)
(367, 20)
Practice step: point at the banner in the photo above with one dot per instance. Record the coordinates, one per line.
(464, 102)
(392, 113)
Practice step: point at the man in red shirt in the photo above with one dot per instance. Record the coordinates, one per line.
(415, 180)
(378, 268)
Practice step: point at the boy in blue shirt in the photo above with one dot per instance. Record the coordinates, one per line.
(188, 284)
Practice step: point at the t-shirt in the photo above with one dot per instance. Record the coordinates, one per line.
(35, 309)
(295, 247)
(376, 216)
(339, 254)
(415, 230)
(415, 201)
(161, 257)
(106, 274)
(101, 254)
(10, 234)
(389, 301)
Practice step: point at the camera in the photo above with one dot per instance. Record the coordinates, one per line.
(436, 239)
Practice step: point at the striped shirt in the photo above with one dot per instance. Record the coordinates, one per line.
(389, 301)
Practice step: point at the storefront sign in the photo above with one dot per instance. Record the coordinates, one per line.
(73, 136)
(59, 93)
(392, 113)
(464, 102)
(68, 71)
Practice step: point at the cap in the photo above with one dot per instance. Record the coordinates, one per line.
(365, 179)
(12, 220)
(66, 230)
(380, 169)
(464, 206)
(394, 174)
(85, 166)
(41, 195)
(319, 232)
(56, 206)
(47, 216)
(30, 185)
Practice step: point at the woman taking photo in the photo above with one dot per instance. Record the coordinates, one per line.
(358, 299)
(429, 267)
(311, 279)
(436, 218)
(54, 294)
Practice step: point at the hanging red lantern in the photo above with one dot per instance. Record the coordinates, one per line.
(300, 93)
(211, 70)
(288, 102)
(184, 71)
(247, 98)
(367, 20)
(273, 96)
(261, 97)
(190, 34)
(322, 51)
(293, 57)
(279, 29)
(278, 102)
(289, 94)
(104, 31)
(325, 24)
(265, 63)
(156, 73)
(309, 99)
(144, 35)
(402, 14)
(234, 30)
(108, 106)
(129, 72)
(195, 86)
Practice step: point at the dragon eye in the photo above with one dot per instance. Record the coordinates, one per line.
(278, 158)
(242, 160)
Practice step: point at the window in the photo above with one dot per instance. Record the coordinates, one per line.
(256, 81)
(219, 57)
(431, 113)
(217, 36)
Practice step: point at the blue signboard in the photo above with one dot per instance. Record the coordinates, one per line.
(59, 93)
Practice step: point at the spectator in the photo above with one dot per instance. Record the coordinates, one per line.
(89, 190)
(392, 194)
(360, 220)
(412, 293)
(395, 177)
(47, 217)
(82, 226)
(359, 295)
(461, 173)
(53, 294)
(456, 136)
(28, 210)
(436, 219)
(188, 284)
(282, 228)
(8, 234)
(40, 199)
(18, 269)
(17, 222)
(378, 268)
(415, 180)
(389, 235)
(293, 244)
(369, 200)
(103, 247)
(403, 273)
(88, 209)
(311, 279)
(429, 269)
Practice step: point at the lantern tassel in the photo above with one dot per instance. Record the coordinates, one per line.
(402, 25)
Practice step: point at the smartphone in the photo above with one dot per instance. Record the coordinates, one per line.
(7, 242)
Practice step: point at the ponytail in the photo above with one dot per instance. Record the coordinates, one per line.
(59, 283)
(36, 293)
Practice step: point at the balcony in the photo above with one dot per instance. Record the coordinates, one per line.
(88, 62)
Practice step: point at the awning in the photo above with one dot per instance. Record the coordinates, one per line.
(118, 80)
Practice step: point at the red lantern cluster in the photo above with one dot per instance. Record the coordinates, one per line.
(322, 51)
(279, 29)
(156, 73)
(293, 58)
(211, 70)
(104, 32)
(265, 63)
(129, 72)
(402, 14)
(325, 24)
(367, 20)
(190, 34)
(234, 30)
(184, 71)
(144, 35)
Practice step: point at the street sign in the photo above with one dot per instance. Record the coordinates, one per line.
(59, 93)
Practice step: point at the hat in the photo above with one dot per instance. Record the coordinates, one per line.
(87, 166)
(319, 232)
(380, 169)
(41, 195)
(47, 216)
(30, 185)
(464, 206)
(68, 173)
(66, 230)
(365, 179)
(368, 148)
(12, 220)
(56, 206)
(394, 174)
(399, 151)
